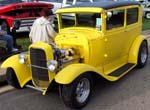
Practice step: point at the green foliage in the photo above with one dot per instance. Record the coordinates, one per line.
(146, 24)
(24, 42)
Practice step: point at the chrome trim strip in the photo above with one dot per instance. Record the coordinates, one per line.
(35, 88)
(37, 66)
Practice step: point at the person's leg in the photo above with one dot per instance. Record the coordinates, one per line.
(14, 38)
(9, 41)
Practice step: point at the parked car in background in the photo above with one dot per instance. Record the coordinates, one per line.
(63, 3)
(14, 10)
(146, 10)
(101, 39)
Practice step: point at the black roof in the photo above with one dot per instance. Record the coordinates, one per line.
(106, 4)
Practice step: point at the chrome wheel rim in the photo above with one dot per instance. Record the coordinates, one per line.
(148, 15)
(83, 90)
(143, 55)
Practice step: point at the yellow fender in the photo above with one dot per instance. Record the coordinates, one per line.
(22, 70)
(71, 72)
(134, 50)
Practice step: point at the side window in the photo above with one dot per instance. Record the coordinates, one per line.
(132, 15)
(116, 19)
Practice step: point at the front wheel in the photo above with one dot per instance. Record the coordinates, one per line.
(76, 94)
(12, 78)
(143, 55)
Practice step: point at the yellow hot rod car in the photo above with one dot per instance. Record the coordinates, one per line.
(101, 38)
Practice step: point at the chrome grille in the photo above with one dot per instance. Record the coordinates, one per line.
(38, 59)
(27, 22)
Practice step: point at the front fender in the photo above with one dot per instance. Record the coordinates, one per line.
(22, 70)
(134, 50)
(71, 72)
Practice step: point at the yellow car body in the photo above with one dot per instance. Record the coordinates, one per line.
(109, 50)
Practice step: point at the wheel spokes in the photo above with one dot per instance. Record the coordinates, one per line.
(144, 55)
(83, 90)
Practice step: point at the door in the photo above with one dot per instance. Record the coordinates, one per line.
(133, 28)
(115, 39)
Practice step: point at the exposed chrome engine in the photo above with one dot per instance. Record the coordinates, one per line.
(66, 56)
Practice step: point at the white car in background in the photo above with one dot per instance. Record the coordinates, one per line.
(63, 3)
(146, 10)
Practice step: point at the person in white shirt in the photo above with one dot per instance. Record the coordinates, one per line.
(42, 28)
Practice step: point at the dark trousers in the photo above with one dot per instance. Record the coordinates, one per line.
(9, 40)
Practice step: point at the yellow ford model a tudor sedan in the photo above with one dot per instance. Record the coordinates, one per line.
(101, 38)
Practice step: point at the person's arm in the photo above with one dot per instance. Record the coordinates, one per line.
(2, 33)
(31, 31)
(50, 31)
(30, 34)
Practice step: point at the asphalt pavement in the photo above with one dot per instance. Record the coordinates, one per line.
(2, 74)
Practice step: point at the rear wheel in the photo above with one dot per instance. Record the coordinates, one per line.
(143, 55)
(12, 78)
(76, 94)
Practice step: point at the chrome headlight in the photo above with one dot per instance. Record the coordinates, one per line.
(23, 58)
(52, 65)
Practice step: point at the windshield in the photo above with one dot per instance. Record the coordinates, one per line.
(6, 2)
(92, 20)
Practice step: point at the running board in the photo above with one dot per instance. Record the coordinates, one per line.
(35, 88)
(122, 70)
